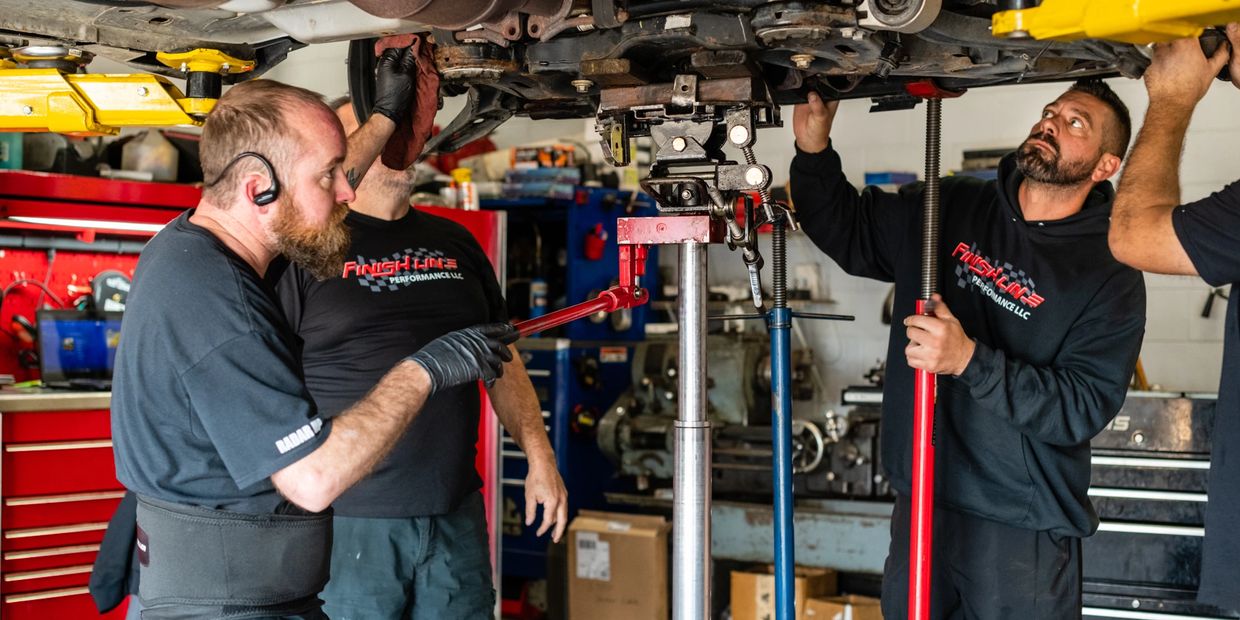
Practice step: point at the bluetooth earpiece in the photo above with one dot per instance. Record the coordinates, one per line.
(266, 196)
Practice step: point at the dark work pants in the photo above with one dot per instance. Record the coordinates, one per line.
(985, 570)
(415, 568)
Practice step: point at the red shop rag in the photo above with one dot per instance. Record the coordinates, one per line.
(405, 146)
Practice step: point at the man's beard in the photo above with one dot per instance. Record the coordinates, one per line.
(319, 251)
(1037, 165)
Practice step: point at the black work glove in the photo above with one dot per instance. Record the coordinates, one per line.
(395, 76)
(467, 355)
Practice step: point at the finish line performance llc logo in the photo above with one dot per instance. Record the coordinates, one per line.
(402, 269)
(1004, 285)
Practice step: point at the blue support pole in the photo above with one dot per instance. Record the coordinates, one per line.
(779, 323)
(781, 422)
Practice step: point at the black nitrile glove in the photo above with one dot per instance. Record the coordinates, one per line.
(467, 355)
(395, 77)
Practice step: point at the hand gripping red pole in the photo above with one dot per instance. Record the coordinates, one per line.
(627, 294)
(922, 521)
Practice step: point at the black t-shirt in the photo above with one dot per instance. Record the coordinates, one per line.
(405, 283)
(1209, 230)
(208, 399)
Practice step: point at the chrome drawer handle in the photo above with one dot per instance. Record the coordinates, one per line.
(59, 529)
(51, 572)
(1137, 461)
(1102, 612)
(1163, 496)
(58, 445)
(41, 500)
(49, 552)
(1152, 528)
(45, 595)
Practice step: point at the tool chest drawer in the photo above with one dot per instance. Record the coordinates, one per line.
(55, 536)
(34, 511)
(55, 467)
(28, 560)
(44, 426)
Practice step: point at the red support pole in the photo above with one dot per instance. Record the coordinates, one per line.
(607, 301)
(922, 521)
(922, 518)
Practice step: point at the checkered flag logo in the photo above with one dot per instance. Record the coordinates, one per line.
(378, 284)
(962, 270)
(1013, 274)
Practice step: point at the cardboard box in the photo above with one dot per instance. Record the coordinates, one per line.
(617, 567)
(849, 607)
(753, 591)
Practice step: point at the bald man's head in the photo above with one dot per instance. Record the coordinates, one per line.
(257, 116)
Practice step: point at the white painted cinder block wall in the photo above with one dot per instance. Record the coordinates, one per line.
(1182, 350)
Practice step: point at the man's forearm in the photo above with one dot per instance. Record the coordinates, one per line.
(360, 438)
(1142, 234)
(516, 405)
(1152, 176)
(365, 145)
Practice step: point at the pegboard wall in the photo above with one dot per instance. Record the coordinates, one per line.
(69, 277)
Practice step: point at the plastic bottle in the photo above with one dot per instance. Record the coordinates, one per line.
(467, 192)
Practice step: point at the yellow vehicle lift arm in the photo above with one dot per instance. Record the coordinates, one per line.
(1128, 21)
(56, 100)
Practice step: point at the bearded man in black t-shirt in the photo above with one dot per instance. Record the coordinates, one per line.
(232, 464)
(1152, 231)
(410, 541)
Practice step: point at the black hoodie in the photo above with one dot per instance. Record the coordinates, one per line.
(1057, 320)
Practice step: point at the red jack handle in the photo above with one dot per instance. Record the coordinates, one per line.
(923, 490)
(625, 295)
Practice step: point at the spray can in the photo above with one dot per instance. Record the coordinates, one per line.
(538, 297)
(467, 192)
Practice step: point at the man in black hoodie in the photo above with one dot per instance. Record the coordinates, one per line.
(1034, 339)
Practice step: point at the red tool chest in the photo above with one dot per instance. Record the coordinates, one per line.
(58, 489)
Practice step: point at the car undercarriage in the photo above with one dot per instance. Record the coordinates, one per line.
(553, 58)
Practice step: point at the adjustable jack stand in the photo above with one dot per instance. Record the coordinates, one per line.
(697, 191)
(924, 384)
